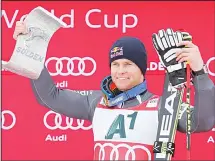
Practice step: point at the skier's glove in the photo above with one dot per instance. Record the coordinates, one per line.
(165, 43)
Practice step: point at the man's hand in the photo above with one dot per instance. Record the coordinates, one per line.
(191, 54)
(20, 28)
(167, 44)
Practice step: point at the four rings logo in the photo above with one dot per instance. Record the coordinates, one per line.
(58, 123)
(115, 152)
(68, 68)
(8, 119)
(212, 73)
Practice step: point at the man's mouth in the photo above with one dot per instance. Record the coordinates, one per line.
(122, 78)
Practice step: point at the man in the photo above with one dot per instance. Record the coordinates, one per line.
(119, 124)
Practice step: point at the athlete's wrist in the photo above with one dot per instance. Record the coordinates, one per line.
(201, 71)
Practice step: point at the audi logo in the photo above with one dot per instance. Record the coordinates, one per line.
(58, 122)
(59, 66)
(114, 151)
(212, 73)
(5, 116)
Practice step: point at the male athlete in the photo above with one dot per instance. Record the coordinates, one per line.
(123, 123)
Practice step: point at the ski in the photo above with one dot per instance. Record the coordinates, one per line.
(171, 100)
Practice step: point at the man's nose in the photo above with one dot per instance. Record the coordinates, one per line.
(121, 69)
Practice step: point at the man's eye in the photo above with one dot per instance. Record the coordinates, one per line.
(128, 64)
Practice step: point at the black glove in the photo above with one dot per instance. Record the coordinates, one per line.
(166, 45)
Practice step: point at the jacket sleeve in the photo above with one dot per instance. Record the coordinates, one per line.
(64, 101)
(203, 112)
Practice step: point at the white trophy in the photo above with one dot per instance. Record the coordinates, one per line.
(30, 51)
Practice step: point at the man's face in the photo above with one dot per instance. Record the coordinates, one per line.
(125, 74)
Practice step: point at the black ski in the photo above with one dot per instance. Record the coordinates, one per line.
(164, 146)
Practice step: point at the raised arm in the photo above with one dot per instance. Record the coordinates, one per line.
(203, 112)
(64, 101)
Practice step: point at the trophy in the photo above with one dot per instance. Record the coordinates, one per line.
(30, 50)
